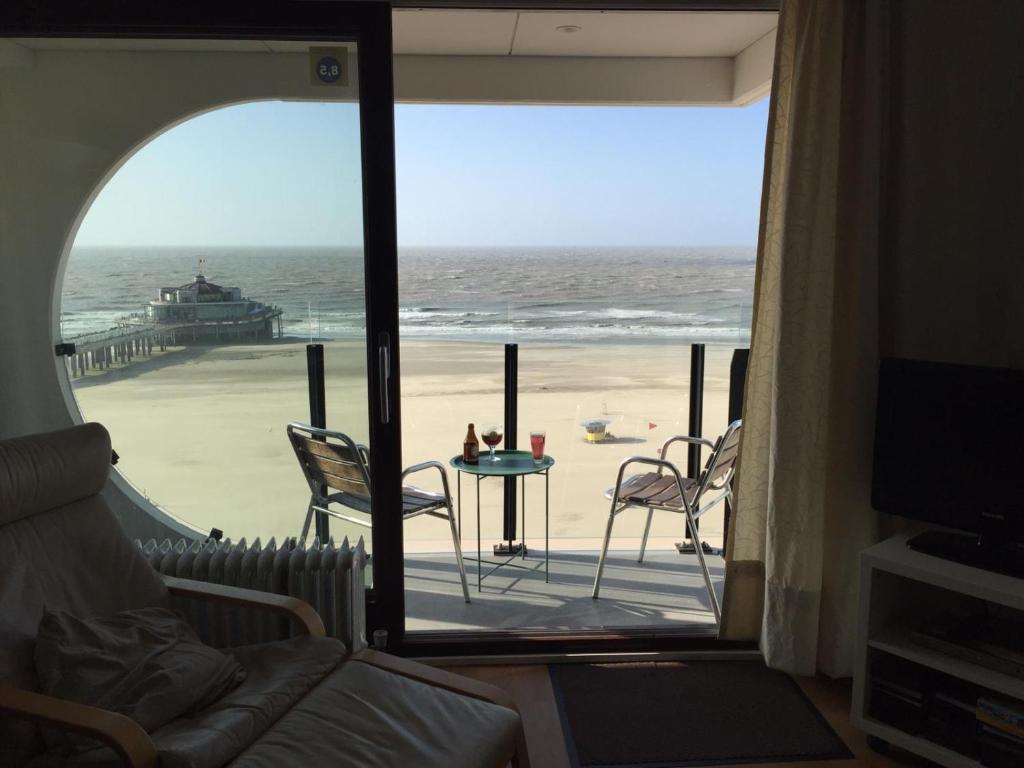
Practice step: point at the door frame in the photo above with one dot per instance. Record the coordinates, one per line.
(367, 23)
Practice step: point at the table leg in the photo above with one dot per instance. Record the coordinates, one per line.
(524, 515)
(479, 548)
(458, 486)
(547, 545)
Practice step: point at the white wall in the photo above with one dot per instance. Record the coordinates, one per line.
(752, 70)
(67, 120)
(565, 80)
(952, 269)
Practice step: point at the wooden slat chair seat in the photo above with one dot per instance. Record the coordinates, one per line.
(668, 490)
(338, 473)
(415, 501)
(653, 489)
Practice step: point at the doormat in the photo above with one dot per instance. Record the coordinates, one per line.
(667, 714)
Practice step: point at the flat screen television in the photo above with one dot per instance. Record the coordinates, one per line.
(949, 450)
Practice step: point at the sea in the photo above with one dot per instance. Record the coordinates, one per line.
(654, 295)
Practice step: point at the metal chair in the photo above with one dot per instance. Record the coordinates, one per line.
(332, 461)
(672, 492)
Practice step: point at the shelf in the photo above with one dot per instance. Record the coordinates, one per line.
(901, 588)
(919, 746)
(898, 643)
(895, 556)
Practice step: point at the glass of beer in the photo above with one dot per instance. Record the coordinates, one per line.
(492, 436)
(537, 446)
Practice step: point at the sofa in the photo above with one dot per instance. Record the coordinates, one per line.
(304, 700)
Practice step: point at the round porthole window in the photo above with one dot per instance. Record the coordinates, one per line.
(199, 274)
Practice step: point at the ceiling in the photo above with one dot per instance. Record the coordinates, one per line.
(679, 58)
(590, 33)
(514, 33)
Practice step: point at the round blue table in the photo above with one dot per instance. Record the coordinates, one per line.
(510, 464)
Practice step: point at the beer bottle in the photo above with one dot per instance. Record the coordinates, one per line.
(471, 447)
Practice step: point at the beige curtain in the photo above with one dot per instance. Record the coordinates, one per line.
(803, 507)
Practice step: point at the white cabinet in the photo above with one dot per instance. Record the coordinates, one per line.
(901, 589)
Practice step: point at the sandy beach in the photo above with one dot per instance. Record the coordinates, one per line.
(201, 431)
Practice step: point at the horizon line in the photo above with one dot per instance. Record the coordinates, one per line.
(420, 245)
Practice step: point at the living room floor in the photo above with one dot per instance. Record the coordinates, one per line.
(530, 686)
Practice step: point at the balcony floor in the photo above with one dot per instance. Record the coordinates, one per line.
(666, 591)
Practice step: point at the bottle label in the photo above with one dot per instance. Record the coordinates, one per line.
(470, 453)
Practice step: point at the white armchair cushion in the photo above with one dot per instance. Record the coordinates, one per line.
(364, 717)
(147, 664)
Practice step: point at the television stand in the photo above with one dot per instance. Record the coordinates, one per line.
(928, 698)
(1007, 559)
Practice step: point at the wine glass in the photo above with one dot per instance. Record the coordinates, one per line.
(492, 436)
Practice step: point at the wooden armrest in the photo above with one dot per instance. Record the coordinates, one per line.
(299, 611)
(122, 734)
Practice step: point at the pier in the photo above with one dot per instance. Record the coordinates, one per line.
(100, 350)
(137, 338)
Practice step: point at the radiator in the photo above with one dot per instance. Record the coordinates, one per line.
(330, 578)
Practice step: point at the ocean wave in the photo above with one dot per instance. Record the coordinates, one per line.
(429, 314)
(536, 294)
(605, 332)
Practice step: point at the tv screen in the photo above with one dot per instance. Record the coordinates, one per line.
(949, 446)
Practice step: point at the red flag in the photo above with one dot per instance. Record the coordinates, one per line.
(651, 425)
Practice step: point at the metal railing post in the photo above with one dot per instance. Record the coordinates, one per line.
(317, 416)
(696, 425)
(511, 419)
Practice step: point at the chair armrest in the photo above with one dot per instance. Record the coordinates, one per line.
(685, 439)
(122, 734)
(430, 465)
(300, 612)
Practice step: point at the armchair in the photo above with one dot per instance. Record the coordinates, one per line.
(305, 700)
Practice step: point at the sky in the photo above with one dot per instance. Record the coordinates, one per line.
(288, 174)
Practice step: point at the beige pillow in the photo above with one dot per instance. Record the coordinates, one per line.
(147, 664)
